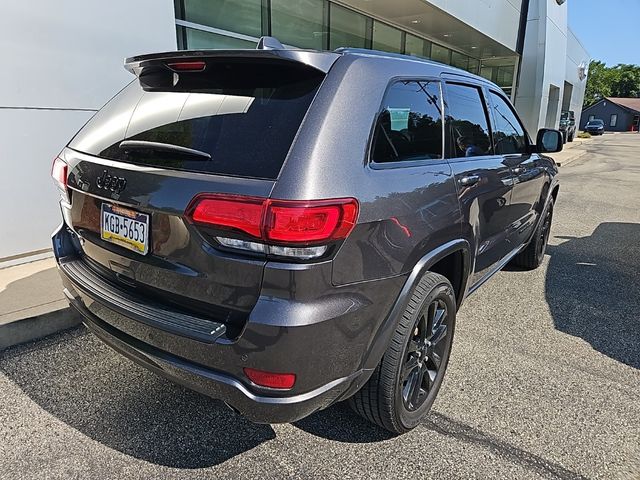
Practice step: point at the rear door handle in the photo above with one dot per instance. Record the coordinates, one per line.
(519, 170)
(469, 180)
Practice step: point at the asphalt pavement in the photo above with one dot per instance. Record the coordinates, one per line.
(544, 379)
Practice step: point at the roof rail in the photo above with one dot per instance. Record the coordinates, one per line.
(381, 53)
(269, 43)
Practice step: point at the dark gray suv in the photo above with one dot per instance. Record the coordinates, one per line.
(284, 229)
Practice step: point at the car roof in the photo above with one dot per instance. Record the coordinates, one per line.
(439, 68)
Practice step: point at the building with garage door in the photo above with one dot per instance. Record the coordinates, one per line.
(67, 60)
(618, 114)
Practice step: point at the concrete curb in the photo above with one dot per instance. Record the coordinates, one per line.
(572, 159)
(28, 329)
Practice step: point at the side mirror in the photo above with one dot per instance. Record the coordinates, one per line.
(549, 141)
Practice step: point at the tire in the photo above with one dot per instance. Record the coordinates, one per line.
(532, 256)
(405, 383)
(570, 139)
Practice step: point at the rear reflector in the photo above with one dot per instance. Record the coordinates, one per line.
(59, 171)
(270, 379)
(288, 222)
(188, 66)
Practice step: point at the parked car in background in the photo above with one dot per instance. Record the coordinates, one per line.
(568, 125)
(594, 127)
(283, 229)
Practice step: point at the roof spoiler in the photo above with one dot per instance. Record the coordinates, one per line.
(267, 48)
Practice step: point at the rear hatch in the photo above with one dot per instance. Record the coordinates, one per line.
(193, 122)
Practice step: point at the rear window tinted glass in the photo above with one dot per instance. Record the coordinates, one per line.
(241, 118)
(468, 121)
(410, 125)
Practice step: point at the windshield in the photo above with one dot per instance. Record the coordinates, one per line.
(595, 123)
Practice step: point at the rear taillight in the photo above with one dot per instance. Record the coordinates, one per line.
(59, 171)
(235, 213)
(307, 222)
(292, 228)
(270, 379)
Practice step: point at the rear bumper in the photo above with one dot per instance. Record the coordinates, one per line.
(325, 353)
(257, 408)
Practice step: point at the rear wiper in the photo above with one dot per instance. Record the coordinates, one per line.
(163, 147)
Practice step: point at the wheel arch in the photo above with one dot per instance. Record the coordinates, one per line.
(444, 259)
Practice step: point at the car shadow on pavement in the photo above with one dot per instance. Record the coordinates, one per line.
(593, 289)
(109, 399)
(341, 424)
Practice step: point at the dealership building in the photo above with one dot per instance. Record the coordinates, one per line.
(66, 61)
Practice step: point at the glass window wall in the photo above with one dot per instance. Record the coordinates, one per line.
(416, 46)
(386, 38)
(241, 16)
(440, 54)
(347, 28)
(299, 22)
(199, 39)
(315, 24)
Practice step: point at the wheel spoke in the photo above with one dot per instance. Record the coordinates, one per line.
(408, 389)
(438, 317)
(432, 376)
(439, 328)
(410, 365)
(435, 359)
(417, 387)
(422, 325)
(438, 335)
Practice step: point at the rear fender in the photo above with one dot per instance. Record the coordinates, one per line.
(384, 334)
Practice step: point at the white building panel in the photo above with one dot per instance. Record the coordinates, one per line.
(63, 61)
(498, 19)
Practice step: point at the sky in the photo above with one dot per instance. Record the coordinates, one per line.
(609, 29)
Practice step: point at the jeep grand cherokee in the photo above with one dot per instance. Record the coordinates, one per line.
(283, 229)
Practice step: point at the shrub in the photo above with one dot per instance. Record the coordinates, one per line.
(584, 135)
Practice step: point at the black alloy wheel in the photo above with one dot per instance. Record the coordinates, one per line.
(545, 230)
(425, 351)
(533, 255)
(405, 383)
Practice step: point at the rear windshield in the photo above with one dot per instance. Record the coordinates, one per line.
(234, 119)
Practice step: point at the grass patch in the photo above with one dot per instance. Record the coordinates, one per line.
(584, 135)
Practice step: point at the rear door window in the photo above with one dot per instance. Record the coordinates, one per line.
(468, 124)
(234, 118)
(410, 124)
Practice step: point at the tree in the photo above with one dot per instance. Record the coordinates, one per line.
(598, 83)
(623, 80)
(626, 81)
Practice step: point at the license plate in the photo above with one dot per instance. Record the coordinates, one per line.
(125, 227)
